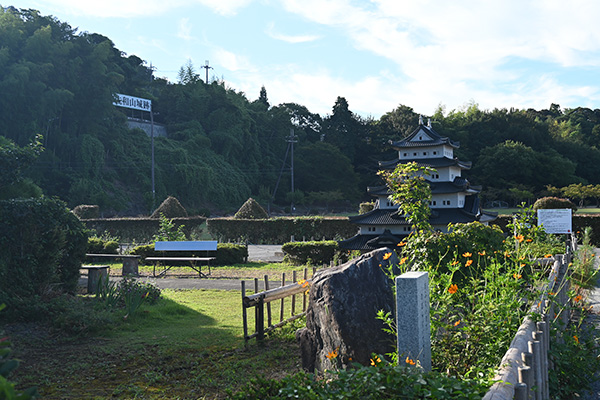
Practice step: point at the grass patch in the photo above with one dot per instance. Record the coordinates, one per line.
(189, 345)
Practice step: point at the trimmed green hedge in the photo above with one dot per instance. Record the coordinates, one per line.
(280, 230)
(139, 230)
(313, 253)
(227, 253)
(43, 245)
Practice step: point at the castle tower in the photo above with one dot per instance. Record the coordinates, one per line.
(453, 198)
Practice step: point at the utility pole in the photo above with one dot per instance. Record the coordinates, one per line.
(291, 140)
(206, 67)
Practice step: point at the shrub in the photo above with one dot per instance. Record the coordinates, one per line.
(229, 254)
(87, 211)
(442, 248)
(554, 203)
(251, 210)
(43, 246)
(383, 381)
(170, 208)
(315, 253)
(366, 207)
(98, 245)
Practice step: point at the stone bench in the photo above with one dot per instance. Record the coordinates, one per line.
(130, 262)
(95, 274)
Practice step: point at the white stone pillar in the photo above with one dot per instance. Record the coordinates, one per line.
(412, 318)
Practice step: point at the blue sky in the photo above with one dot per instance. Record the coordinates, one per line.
(377, 54)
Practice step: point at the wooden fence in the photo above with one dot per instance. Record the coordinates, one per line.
(258, 300)
(523, 374)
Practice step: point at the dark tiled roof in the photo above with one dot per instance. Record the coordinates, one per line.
(378, 191)
(377, 216)
(370, 242)
(436, 139)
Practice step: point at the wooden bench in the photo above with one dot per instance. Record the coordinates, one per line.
(130, 262)
(207, 246)
(95, 273)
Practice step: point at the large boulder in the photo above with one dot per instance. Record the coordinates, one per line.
(342, 313)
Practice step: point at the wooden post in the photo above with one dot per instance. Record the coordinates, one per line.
(525, 379)
(520, 391)
(260, 319)
(269, 323)
(528, 376)
(304, 293)
(257, 310)
(282, 300)
(534, 348)
(293, 296)
(244, 315)
(540, 337)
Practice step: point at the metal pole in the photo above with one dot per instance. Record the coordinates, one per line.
(292, 168)
(152, 140)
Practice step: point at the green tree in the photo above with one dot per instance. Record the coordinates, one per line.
(411, 192)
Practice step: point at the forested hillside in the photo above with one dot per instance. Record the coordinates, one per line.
(224, 146)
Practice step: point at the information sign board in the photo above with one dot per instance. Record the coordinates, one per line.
(135, 103)
(556, 220)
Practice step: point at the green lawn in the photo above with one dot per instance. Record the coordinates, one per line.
(189, 345)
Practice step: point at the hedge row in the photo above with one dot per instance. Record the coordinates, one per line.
(313, 252)
(280, 230)
(140, 230)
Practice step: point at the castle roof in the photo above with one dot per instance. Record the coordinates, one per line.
(424, 136)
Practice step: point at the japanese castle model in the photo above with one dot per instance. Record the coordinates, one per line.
(453, 199)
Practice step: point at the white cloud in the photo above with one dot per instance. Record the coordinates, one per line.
(233, 62)
(270, 31)
(184, 29)
(225, 7)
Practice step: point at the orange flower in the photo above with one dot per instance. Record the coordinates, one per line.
(387, 255)
(453, 289)
(517, 276)
(332, 354)
(455, 262)
(403, 260)
(467, 255)
(457, 323)
(506, 254)
(548, 256)
(577, 298)
(468, 263)
(576, 339)
(529, 240)
(375, 361)
(409, 361)
(520, 238)
(481, 253)
(401, 244)
(303, 283)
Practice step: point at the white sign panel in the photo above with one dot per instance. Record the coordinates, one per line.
(556, 221)
(133, 102)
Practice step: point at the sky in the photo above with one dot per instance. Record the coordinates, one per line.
(378, 54)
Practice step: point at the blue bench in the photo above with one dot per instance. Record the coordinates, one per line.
(206, 246)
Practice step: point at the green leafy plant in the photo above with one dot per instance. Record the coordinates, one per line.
(168, 231)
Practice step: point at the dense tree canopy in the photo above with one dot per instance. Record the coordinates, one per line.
(223, 148)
